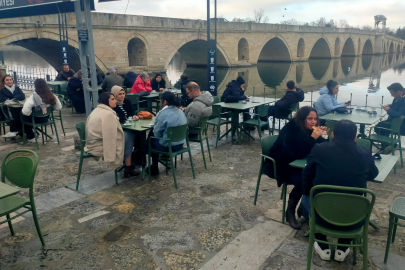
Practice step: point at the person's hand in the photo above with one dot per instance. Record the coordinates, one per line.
(78, 89)
(324, 129)
(246, 96)
(135, 117)
(181, 108)
(386, 107)
(161, 89)
(69, 78)
(346, 105)
(317, 133)
(242, 87)
(89, 79)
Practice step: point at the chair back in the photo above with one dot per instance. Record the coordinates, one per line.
(216, 111)
(262, 110)
(396, 125)
(177, 134)
(12, 168)
(267, 143)
(61, 99)
(331, 126)
(133, 98)
(203, 125)
(63, 87)
(364, 143)
(81, 130)
(341, 206)
(314, 105)
(216, 99)
(39, 113)
(294, 106)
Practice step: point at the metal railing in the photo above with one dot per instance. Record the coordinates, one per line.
(25, 77)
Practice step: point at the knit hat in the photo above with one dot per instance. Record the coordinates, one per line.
(396, 87)
(240, 80)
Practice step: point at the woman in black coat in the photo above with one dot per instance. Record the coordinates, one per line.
(158, 83)
(295, 141)
(10, 91)
(75, 92)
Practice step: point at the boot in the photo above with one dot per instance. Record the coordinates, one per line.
(290, 214)
(129, 171)
(154, 169)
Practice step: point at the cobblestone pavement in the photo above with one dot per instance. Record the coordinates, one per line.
(210, 222)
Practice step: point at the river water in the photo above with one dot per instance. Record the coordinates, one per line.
(361, 79)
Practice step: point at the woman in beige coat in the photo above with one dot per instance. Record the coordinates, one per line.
(104, 123)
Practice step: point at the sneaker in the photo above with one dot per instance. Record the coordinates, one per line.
(10, 135)
(31, 140)
(323, 253)
(341, 255)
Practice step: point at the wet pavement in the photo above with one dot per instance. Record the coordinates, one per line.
(208, 223)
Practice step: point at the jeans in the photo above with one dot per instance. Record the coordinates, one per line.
(158, 146)
(16, 124)
(129, 143)
(28, 129)
(78, 103)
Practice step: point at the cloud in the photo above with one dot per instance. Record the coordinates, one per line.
(356, 12)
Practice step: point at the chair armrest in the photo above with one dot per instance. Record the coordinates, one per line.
(158, 138)
(369, 133)
(274, 164)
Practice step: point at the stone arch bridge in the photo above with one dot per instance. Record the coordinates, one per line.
(134, 43)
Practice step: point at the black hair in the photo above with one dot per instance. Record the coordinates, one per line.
(301, 116)
(104, 98)
(171, 99)
(330, 85)
(291, 85)
(345, 130)
(157, 75)
(184, 77)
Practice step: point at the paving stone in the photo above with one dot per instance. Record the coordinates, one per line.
(293, 248)
(213, 238)
(79, 242)
(105, 221)
(169, 239)
(84, 207)
(19, 238)
(91, 258)
(183, 259)
(124, 207)
(126, 256)
(231, 221)
(279, 262)
(209, 190)
(116, 233)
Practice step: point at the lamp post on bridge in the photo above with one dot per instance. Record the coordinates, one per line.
(212, 52)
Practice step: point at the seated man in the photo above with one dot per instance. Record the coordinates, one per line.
(282, 106)
(111, 80)
(338, 163)
(65, 74)
(199, 108)
(234, 90)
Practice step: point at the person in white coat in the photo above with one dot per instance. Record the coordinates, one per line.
(41, 99)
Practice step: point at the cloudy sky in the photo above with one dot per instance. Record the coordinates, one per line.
(356, 12)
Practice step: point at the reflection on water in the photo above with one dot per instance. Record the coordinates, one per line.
(318, 67)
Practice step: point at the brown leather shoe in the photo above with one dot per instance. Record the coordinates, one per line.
(129, 172)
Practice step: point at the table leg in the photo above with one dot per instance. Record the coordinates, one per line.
(142, 141)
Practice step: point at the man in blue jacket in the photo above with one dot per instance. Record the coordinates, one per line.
(235, 90)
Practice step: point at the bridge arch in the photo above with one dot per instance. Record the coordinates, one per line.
(137, 47)
(194, 52)
(243, 49)
(337, 46)
(321, 49)
(368, 48)
(348, 48)
(46, 45)
(301, 48)
(398, 48)
(391, 50)
(275, 49)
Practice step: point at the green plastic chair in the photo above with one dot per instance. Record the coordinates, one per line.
(397, 211)
(261, 111)
(395, 136)
(267, 143)
(81, 129)
(202, 135)
(174, 134)
(5, 122)
(331, 126)
(156, 103)
(217, 120)
(293, 108)
(364, 143)
(38, 126)
(59, 115)
(314, 105)
(335, 205)
(216, 99)
(22, 178)
(137, 103)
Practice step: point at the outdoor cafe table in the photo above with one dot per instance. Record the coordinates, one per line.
(362, 118)
(6, 190)
(56, 85)
(140, 127)
(236, 109)
(384, 165)
(154, 95)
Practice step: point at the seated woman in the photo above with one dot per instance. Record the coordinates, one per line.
(158, 83)
(395, 110)
(169, 116)
(75, 92)
(124, 110)
(327, 100)
(10, 91)
(295, 141)
(141, 84)
(40, 99)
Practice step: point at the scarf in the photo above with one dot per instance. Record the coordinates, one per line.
(38, 104)
(115, 90)
(11, 89)
(78, 75)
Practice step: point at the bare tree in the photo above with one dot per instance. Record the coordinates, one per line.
(367, 28)
(321, 22)
(259, 16)
(343, 24)
(291, 22)
(238, 20)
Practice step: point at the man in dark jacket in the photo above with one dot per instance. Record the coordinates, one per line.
(112, 79)
(65, 74)
(338, 163)
(235, 90)
(282, 106)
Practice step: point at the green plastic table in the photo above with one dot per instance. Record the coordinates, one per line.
(140, 127)
(56, 84)
(6, 190)
(358, 117)
(236, 109)
(155, 95)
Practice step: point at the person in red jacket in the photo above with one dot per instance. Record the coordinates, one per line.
(142, 83)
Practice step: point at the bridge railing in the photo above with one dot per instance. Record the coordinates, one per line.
(25, 77)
